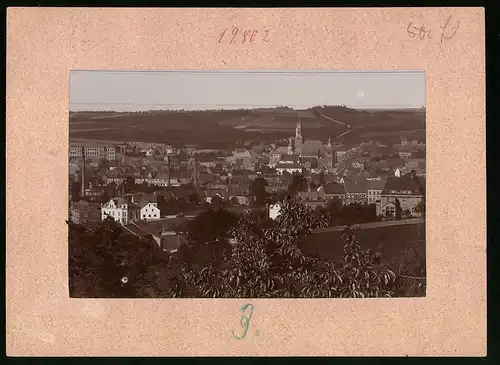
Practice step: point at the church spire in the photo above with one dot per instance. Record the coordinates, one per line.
(298, 128)
(290, 146)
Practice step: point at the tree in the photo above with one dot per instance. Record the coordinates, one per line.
(258, 190)
(103, 165)
(298, 184)
(106, 262)
(268, 263)
(398, 209)
(130, 185)
(112, 189)
(420, 208)
(75, 187)
(217, 202)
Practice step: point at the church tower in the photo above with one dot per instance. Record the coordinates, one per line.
(298, 129)
(299, 140)
(290, 146)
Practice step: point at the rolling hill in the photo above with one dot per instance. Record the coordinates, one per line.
(215, 128)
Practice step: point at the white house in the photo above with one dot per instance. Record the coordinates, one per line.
(274, 211)
(149, 210)
(120, 210)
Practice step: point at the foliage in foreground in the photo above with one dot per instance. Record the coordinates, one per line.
(245, 260)
(268, 263)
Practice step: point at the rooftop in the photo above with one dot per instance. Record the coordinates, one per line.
(288, 166)
(403, 183)
(375, 184)
(333, 188)
(353, 186)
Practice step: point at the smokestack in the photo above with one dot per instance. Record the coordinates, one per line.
(196, 173)
(168, 167)
(83, 172)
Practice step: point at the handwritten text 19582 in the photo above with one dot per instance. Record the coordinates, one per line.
(237, 35)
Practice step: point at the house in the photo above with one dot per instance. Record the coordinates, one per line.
(374, 189)
(313, 199)
(93, 152)
(208, 195)
(275, 186)
(290, 168)
(289, 159)
(274, 210)
(333, 190)
(356, 192)
(121, 210)
(167, 240)
(405, 154)
(242, 199)
(85, 212)
(149, 210)
(404, 189)
(340, 155)
(96, 194)
(244, 159)
(312, 148)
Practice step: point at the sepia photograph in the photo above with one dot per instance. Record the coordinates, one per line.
(247, 184)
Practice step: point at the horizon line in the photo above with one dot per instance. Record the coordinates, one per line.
(250, 107)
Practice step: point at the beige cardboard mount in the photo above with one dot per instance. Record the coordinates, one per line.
(44, 44)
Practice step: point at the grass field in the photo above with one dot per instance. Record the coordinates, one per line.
(390, 241)
(216, 129)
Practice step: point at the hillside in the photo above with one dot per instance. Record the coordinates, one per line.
(215, 128)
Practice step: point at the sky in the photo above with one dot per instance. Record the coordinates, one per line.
(199, 90)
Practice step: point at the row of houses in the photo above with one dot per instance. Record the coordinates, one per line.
(123, 210)
(406, 190)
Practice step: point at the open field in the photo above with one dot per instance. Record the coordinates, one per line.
(219, 128)
(391, 241)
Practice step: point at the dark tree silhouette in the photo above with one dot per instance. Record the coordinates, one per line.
(258, 190)
(298, 183)
(398, 209)
(217, 202)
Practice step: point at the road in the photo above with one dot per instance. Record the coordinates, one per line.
(348, 126)
(375, 225)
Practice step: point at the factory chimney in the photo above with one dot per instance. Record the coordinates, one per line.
(168, 167)
(83, 173)
(196, 183)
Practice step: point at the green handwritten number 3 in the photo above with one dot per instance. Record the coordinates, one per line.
(244, 321)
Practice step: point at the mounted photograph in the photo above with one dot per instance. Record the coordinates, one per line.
(247, 184)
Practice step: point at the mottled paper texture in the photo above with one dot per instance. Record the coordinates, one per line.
(44, 44)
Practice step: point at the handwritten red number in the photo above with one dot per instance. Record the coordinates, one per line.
(252, 37)
(222, 35)
(235, 32)
(245, 34)
(265, 37)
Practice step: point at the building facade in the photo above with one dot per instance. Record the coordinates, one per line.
(93, 152)
(85, 212)
(403, 190)
(149, 211)
(121, 210)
